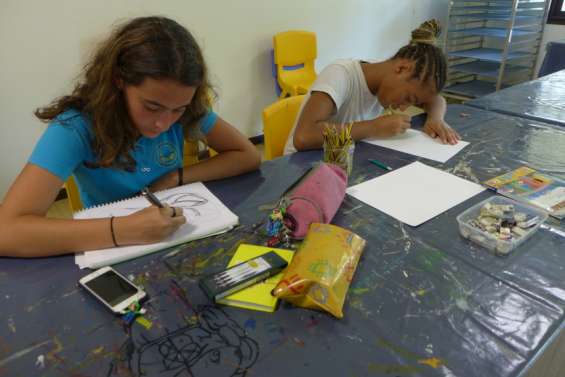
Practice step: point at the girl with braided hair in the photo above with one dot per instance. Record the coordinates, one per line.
(357, 91)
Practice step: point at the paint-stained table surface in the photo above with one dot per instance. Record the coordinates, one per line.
(541, 100)
(423, 301)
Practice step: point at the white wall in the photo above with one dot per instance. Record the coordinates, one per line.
(43, 44)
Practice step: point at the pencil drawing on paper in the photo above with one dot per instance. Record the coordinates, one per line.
(191, 203)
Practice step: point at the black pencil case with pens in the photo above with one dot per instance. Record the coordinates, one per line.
(221, 284)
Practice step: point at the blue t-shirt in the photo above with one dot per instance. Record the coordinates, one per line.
(65, 147)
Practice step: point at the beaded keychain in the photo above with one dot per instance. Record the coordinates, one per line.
(133, 311)
(277, 226)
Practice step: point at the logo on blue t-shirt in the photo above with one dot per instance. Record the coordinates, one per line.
(167, 154)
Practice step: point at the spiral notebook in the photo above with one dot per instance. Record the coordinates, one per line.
(206, 215)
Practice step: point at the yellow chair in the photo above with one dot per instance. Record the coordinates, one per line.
(73, 194)
(191, 152)
(292, 48)
(193, 155)
(278, 120)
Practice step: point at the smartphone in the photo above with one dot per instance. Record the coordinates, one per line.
(112, 288)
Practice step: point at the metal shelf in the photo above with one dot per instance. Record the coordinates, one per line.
(491, 43)
(534, 7)
(494, 32)
(496, 17)
(472, 89)
(486, 68)
(495, 3)
(489, 54)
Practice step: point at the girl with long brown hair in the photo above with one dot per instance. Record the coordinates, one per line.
(122, 128)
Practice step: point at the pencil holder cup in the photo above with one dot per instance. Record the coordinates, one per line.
(341, 156)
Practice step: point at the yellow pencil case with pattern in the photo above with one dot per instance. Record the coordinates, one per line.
(322, 269)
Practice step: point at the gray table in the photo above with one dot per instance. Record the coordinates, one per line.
(540, 100)
(423, 301)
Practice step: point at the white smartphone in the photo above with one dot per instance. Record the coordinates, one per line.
(112, 288)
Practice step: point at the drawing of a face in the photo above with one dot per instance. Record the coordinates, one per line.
(214, 346)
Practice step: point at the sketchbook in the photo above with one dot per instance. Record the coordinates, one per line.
(206, 215)
(415, 193)
(418, 143)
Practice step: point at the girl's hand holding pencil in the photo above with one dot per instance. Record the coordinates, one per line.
(391, 125)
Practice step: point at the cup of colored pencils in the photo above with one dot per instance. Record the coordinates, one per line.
(339, 146)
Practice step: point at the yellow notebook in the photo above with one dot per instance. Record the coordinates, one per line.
(257, 296)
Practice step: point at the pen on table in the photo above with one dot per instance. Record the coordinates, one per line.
(380, 164)
(151, 197)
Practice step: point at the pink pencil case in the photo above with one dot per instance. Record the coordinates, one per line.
(315, 198)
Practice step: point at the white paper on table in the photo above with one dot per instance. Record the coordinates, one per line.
(415, 193)
(417, 143)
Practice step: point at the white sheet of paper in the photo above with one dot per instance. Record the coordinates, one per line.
(205, 216)
(415, 193)
(417, 143)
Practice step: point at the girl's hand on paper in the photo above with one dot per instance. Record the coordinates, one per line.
(151, 224)
(391, 125)
(439, 129)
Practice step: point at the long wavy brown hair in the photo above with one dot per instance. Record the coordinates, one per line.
(146, 47)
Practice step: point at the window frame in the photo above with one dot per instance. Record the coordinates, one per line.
(556, 15)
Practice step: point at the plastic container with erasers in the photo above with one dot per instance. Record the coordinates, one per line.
(500, 224)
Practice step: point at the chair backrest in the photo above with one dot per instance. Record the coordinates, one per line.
(190, 153)
(294, 47)
(278, 120)
(73, 195)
